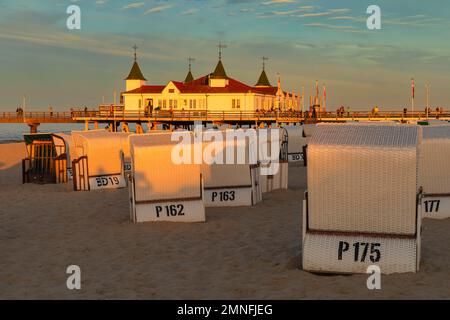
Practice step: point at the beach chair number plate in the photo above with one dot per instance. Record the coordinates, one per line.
(107, 182)
(127, 166)
(436, 207)
(295, 157)
(362, 251)
(170, 210)
(189, 211)
(325, 252)
(223, 196)
(228, 197)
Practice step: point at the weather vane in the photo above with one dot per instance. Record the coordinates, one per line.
(264, 59)
(221, 46)
(190, 60)
(135, 55)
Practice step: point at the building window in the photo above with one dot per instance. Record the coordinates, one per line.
(171, 90)
(175, 104)
(236, 103)
(159, 103)
(170, 104)
(164, 103)
(192, 103)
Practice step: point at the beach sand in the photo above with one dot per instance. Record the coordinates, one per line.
(239, 253)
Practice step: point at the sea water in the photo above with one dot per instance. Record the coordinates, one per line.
(10, 132)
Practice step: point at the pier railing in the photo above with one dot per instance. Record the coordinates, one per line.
(191, 115)
(103, 115)
(37, 117)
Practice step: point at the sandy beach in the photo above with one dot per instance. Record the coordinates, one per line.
(239, 253)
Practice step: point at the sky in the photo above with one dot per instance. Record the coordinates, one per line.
(305, 41)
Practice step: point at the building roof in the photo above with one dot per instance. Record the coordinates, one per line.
(201, 85)
(135, 73)
(189, 77)
(267, 90)
(263, 81)
(147, 89)
(219, 71)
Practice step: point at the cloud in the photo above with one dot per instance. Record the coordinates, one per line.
(159, 8)
(330, 26)
(100, 2)
(322, 14)
(348, 18)
(190, 12)
(303, 12)
(109, 45)
(347, 28)
(247, 10)
(278, 2)
(416, 21)
(287, 12)
(133, 5)
(308, 7)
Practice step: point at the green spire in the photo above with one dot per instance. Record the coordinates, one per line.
(189, 77)
(135, 72)
(219, 71)
(263, 81)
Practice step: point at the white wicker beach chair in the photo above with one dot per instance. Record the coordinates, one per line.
(362, 191)
(235, 184)
(98, 159)
(161, 189)
(434, 171)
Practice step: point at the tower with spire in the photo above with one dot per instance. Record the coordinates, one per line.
(189, 76)
(135, 78)
(219, 78)
(263, 81)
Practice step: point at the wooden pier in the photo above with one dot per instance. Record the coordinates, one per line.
(184, 118)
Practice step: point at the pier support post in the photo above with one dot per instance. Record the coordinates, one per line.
(95, 125)
(86, 125)
(33, 127)
(139, 129)
(125, 127)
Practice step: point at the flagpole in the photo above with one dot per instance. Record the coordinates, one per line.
(303, 99)
(428, 98)
(412, 97)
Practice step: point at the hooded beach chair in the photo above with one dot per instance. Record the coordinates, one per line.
(362, 204)
(161, 187)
